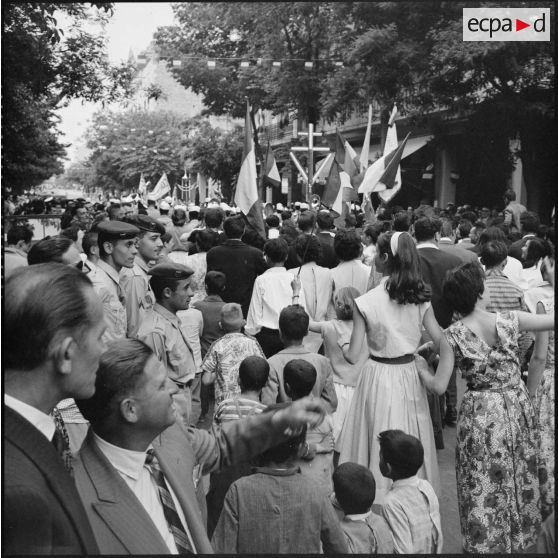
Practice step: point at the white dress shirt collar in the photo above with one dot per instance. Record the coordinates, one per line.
(358, 516)
(427, 245)
(42, 422)
(125, 461)
(271, 270)
(411, 481)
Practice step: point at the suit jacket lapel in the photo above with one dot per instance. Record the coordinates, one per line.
(178, 474)
(43, 454)
(118, 507)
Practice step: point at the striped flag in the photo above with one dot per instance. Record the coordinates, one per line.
(271, 173)
(246, 194)
(382, 174)
(161, 189)
(338, 191)
(366, 145)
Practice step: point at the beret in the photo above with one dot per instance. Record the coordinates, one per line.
(146, 223)
(171, 269)
(116, 230)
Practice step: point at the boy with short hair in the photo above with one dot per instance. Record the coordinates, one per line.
(293, 327)
(317, 458)
(222, 361)
(411, 506)
(365, 531)
(277, 510)
(252, 375)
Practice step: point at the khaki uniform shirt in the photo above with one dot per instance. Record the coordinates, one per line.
(161, 331)
(139, 294)
(106, 283)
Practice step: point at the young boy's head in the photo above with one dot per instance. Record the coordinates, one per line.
(401, 455)
(253, 374)
(215, 282)
(232, 320)
(355, 488)
(299, 377)
(293, 324)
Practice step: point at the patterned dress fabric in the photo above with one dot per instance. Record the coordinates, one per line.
(544, 405)
(497, 453)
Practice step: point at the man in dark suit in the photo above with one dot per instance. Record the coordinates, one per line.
(240, 263)
(139, 470)
(52, 344)
(446, 243)
(325, 236)
(530, 224)
(434, 264)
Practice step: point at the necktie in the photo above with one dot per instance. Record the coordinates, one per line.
(61, 441)
(175, 525)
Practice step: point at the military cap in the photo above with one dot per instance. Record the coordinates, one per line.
(146, 223)
(172, 270)
(116, 230)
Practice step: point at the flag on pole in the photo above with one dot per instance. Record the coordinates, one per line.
(271, 172)
(382, 174)
(338, 191)
(246, 194)
(345, 155)
(142, 188)
(161, 189)
(391, 143)
(201, 182)
(366, 145)
(322, 172)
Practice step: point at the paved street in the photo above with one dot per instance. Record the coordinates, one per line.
(448, 499)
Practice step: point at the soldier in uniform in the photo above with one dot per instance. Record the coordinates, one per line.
(162, 331)
(117, 249)
(135, 281)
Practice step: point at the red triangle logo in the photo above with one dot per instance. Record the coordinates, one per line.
(519, 25)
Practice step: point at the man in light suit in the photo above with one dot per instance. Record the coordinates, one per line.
(52, 342)
(132, 413)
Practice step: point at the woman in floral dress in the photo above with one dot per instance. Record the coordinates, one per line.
(497, 452)
(540, 383)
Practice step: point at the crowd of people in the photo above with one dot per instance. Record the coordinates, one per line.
(174, 382)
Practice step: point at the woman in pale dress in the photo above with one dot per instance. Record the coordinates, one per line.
(389, 394)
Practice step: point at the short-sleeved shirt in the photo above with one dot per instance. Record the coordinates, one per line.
(106, 282)
(224, 358)
(162, 332)
(369, 534)
(210, 308)
(138, 293)
(392, 329)
(236, 408)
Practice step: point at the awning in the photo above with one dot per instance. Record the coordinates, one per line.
(413, 144)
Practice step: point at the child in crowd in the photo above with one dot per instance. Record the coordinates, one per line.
(293, 327)
(277, 510)
(365, 531)
(222, 361)
(211, 307)
(317, 459)
(336, 334)
(252, 376)
(411, 506)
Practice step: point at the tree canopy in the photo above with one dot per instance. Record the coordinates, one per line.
(126, 144)
(43, 68)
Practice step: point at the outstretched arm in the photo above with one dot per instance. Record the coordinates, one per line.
(535, 322)
(438, 383)
(353, 350)
(538, 359)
